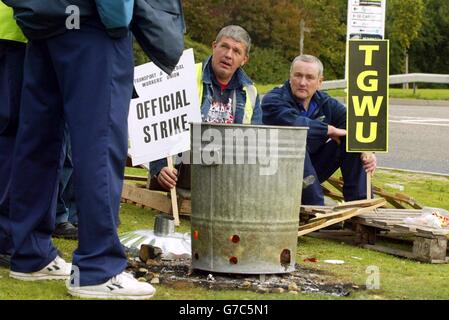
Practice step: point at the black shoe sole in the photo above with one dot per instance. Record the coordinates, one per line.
(65, 237)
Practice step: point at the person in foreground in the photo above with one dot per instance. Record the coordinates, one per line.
(298, 102)
(83, 75)
(12, 55)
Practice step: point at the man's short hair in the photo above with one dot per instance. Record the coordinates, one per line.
(238, 34)
(309, 58)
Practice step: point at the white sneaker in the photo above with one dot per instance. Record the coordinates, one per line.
(122, 286)
(58, 269)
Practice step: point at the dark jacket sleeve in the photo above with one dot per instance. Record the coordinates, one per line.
(339, 114)
(156, 166)
(257, 113)
(279, 111)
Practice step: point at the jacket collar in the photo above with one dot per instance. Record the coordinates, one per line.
(241, 76)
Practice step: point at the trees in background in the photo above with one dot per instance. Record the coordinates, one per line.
(326, 20)
(403, 26)
(418, 28)
(430, 51)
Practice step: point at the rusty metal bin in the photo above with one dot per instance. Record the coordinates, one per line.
(245, 206)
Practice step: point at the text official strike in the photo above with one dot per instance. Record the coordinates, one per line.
(161, 105)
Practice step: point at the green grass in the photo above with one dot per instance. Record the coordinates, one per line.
(432, 191)
(399, 278)
(423, 94)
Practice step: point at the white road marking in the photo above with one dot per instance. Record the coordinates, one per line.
(438, 122)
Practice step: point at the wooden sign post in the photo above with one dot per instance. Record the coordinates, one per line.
(174, 197)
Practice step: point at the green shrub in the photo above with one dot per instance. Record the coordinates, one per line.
(267, 66)
(201, 51)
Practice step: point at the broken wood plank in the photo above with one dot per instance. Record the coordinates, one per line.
(394, 199)
(304, 209)
(359, 203)
(150, 198)
(336, 183)
(332, 215)
(331, 194)
(407, 199)
(338, 211)
(135, 178)
(351, 213)
(311, 225)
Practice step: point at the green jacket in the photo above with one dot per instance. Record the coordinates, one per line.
(8, 27)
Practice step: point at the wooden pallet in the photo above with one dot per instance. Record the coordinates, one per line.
(429, 244)
(140, 195)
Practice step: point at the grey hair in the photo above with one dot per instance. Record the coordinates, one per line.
(310, 59)
(238, 34)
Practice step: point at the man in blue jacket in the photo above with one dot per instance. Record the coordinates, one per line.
(83, 75)
(300, 103)
(227, 96)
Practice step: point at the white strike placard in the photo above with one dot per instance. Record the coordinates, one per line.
(159, 119)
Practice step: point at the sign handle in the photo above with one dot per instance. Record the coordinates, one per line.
(369, 177)
(368, 185)
(174, 198)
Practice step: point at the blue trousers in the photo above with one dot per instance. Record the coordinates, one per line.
(11, 70)
(322, 165)
(85, 78)
(65, 205)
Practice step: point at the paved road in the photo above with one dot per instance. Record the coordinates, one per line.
(419, 139)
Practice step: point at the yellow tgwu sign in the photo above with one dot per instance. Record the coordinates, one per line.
(367, 114)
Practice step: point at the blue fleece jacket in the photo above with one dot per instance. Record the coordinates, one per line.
(281, 108)
(41, 19)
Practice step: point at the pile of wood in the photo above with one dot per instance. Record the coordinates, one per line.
(397, 200)
(316, 218)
